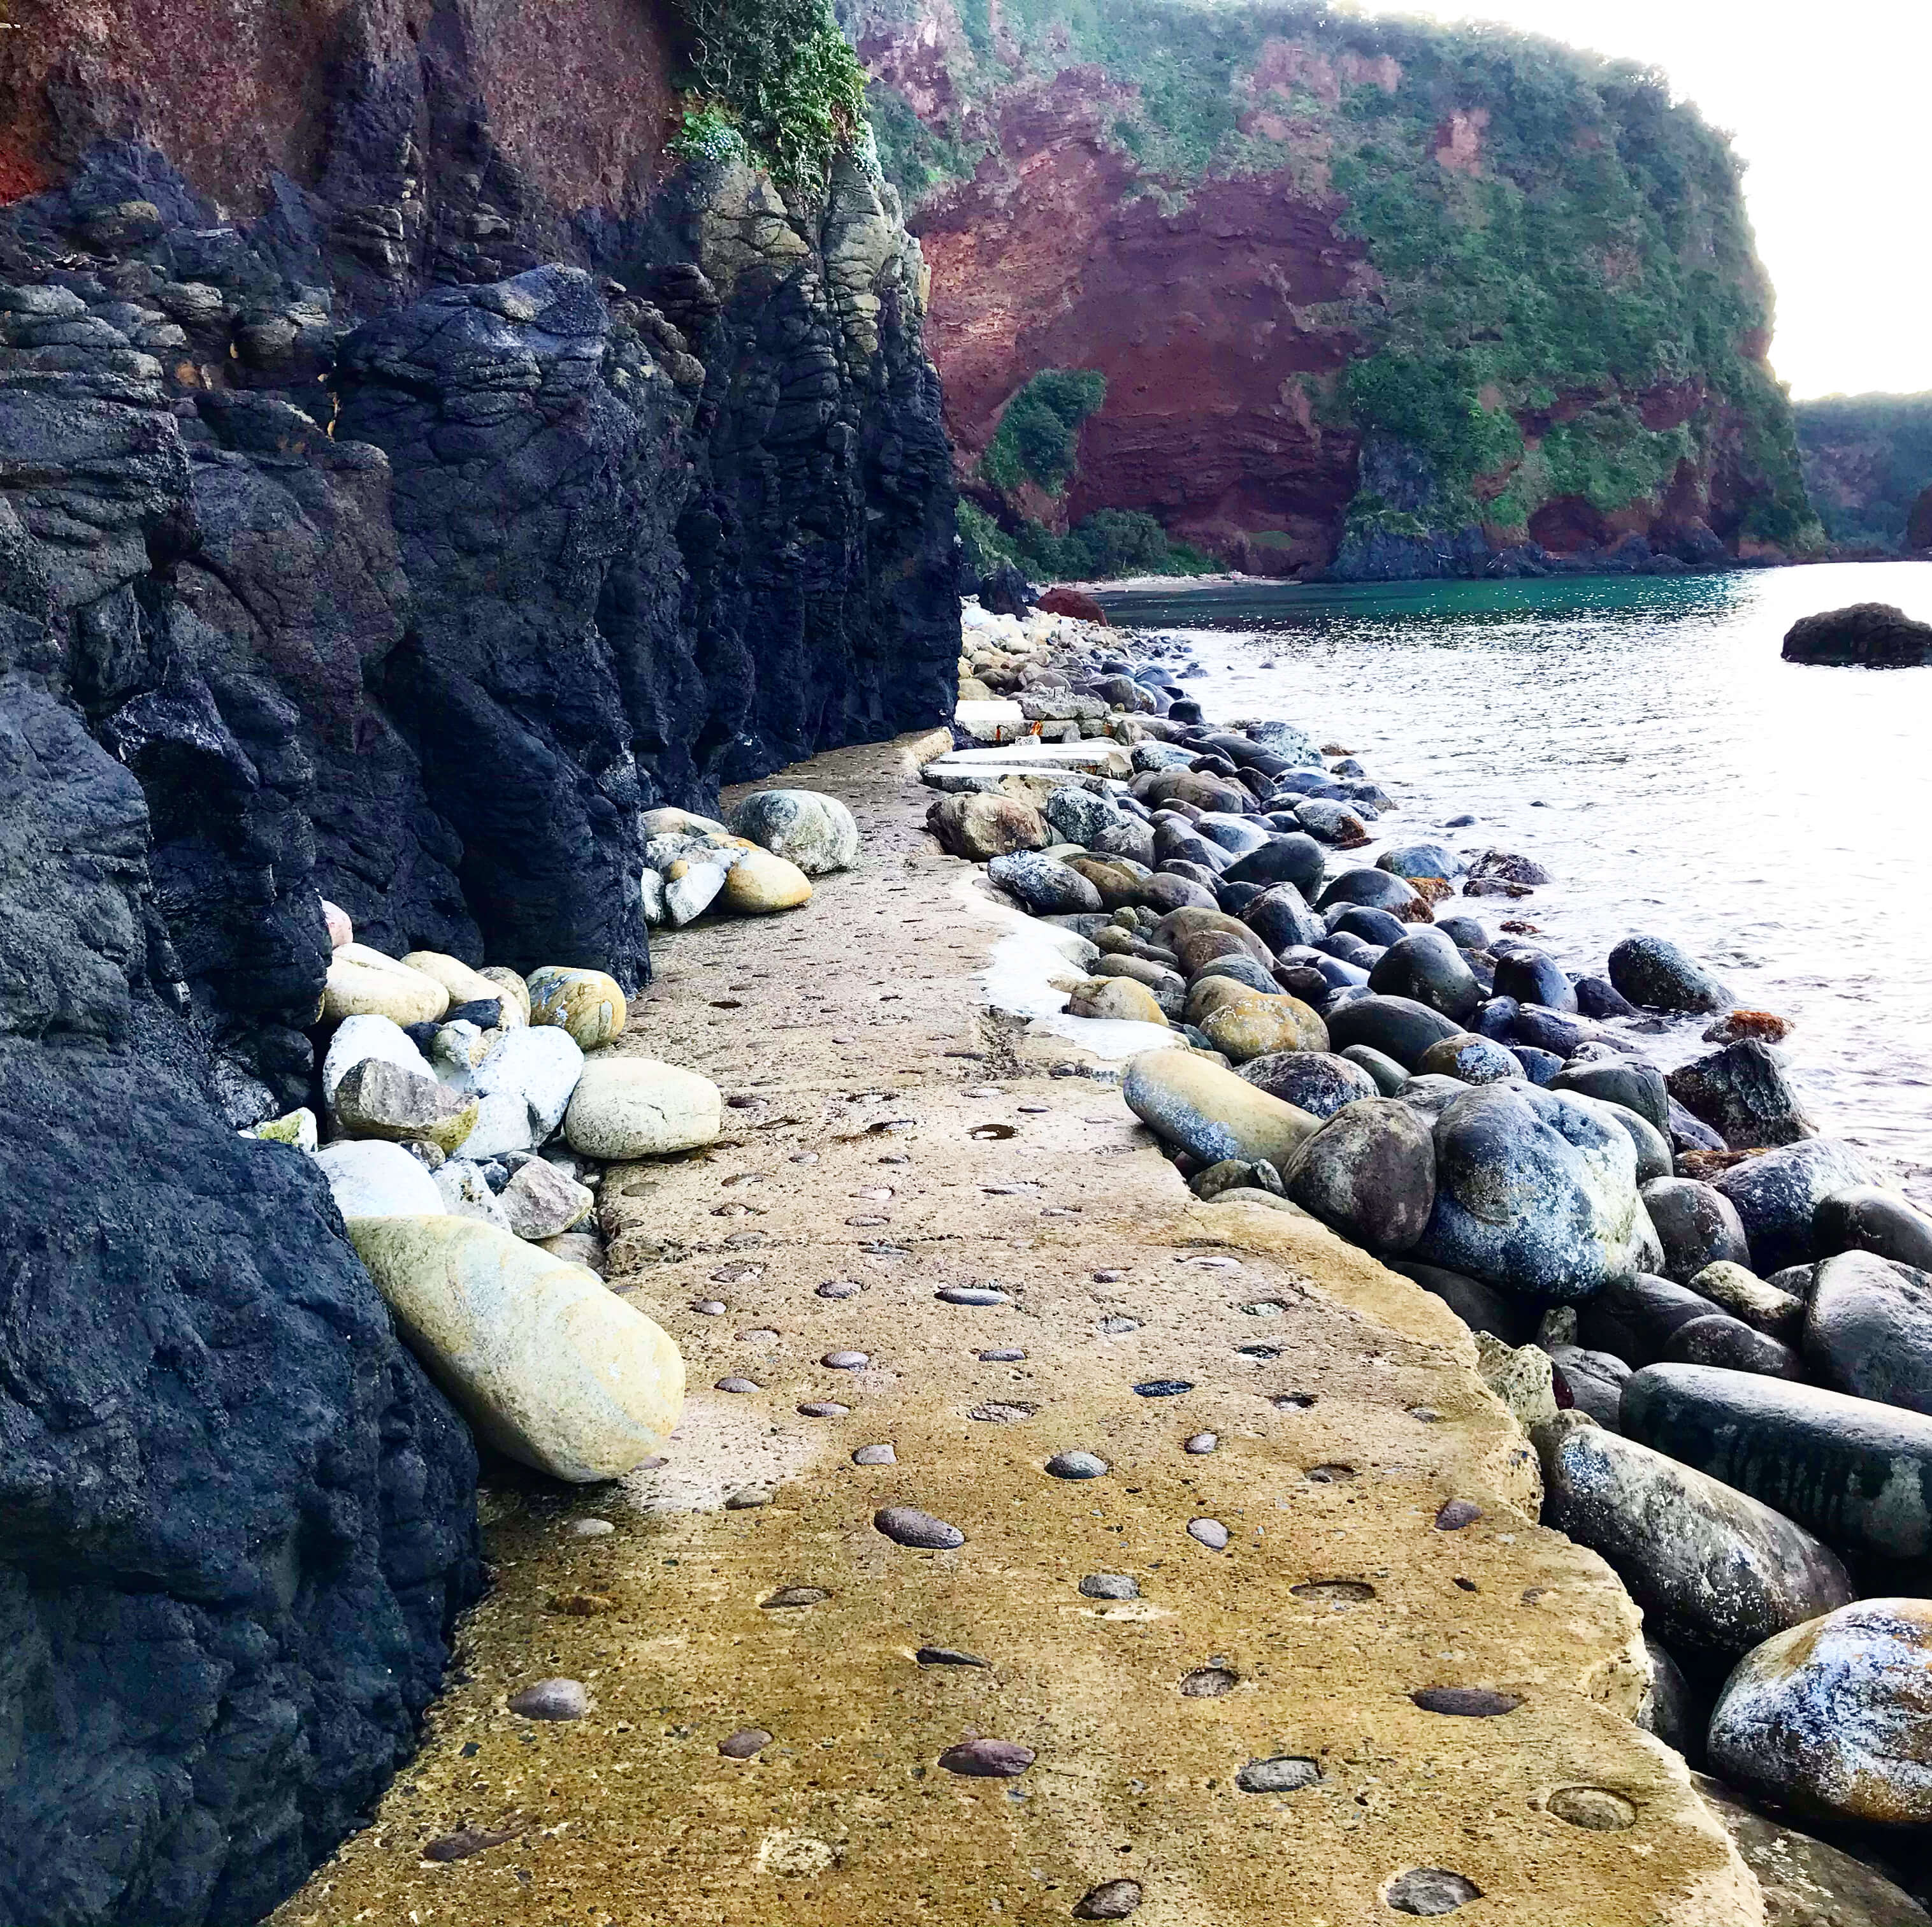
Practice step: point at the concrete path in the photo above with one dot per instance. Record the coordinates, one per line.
(886, 1134)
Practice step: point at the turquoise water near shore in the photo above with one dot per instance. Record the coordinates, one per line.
(1642, 738)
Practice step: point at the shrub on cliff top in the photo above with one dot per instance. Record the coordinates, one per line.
(781, 74)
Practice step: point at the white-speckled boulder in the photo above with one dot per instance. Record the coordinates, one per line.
(636, 1107)
(812, 830)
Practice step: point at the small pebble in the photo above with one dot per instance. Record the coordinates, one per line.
(823, 1408)
(998, 1412)
(591, 1529)
(747, 1740)
(461, 1846)
(747, 1499)
(1111, 1900)
(948, 1655)
(1110, 1277)
(875, 1455)
(1292, 1401)
(1004, 1354)
(787, 1596)
(1258, 1351)
(709, 1307)
(1202, 1443)
(804, 1157)
(1208, 1682)
(1466, 1702)
(1033, 1110)
(1164, 1387)
(1457, 1514)
(1285, 1773)
(1428, 1891)
(1118, 1327)
(1211, 1532)
(759, 1334)
(1337, 1474)
(1425, 1414)
(551, 1699)
(980, 1295)
(906, 1525)
(1077, 1465)
(839, 1288)
(734, 1384)
(987, 1759)
(846, 1361)
(1110, 1585)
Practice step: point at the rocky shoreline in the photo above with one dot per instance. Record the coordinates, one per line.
(1715, 1322)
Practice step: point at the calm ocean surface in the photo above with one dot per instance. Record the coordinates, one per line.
(1641, 738)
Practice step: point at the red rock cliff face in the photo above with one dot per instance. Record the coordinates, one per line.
(1202, 319)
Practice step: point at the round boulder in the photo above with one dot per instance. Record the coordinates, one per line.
(1868, 1331)
(1535, 1194)
(1867, 1219)
(1469, 1060)
(760, 883)
(810, 829)
(981, 827)
(1370, 1172)
(1315, 1081)
(625, 1107)
(1047, 887)
(1189, 1100)
(587, 1004)
(1777, 1197)
(1696, 1224)
(363, 983)
(1653, 973)
(1254, 1025)
(1530, 976)
(1396, 1027)
(1428, 968)
(1834, 1718)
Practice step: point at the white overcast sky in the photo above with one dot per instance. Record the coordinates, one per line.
(1831, 104)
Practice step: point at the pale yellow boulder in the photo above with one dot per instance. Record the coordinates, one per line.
(514, 993)
(1119, 998)
(341, 930)
(1188, 1100)
(759, 883)
(1257, 1026)
(625, 1107)
(585, 1003)
(363, 983)
(1207, 994)
(296, 1127)
(548, 1366)
(465, 986)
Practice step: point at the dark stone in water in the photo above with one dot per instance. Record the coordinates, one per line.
(1867, 635)
(1777, 1196)
(1653, 973)
(1741, 1092)
(1598, 998)
(1532, 977)
(1374, 927)
(1425, 966)
(1540, 1066)
(1295, 858)
(1857, 1473)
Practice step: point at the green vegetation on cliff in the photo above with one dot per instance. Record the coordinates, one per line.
(1867, 461)
(1038, 436)
(1565, 299)
(777, 76)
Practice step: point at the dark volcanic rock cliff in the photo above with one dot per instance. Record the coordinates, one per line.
(1376, 294)
(408, 474)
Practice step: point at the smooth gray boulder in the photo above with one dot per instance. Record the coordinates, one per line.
(1716, 1572)
(1777, 1196)
(1595, 1381)
(1719, 1339)
(1535, 1194)
(1696, 1224)
(1044, 884)
(1652, 972)
(1369, 1172)
(1398, 1027)
(1868, 1330)
(1316, 1082)
(1427, 967)
(1636, 1086)
(1865, 1218)
(1634, 1318)
(1857, 1473)
(1833, 1718)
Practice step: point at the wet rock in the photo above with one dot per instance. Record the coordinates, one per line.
(1805, 1882)
(1864, 1218)
(549, 1367)
(1833, 1718)
(987, 1759)
(1696, 1225)
(1285, 1773)
(1531, 977)
(1867, 635)
(1507, 866)
(1293, 859)
(1426, 968)
(1332, 822)
(1635, 1317)
(906, 1525)
(1422, 859)
(627, 1107)
(1396, 1027)
(1856, 1473)
(1469, 1060)
(1741, 1092)
(1209, 1112)
(1653, 973)
(1598, 998)
(1111, 1900)
(551, 1699)
(806, 827)
(1719, 1339)
(1046, 886)
(1110, 1585)
(1479, 1306)
(981, 827)
(1316, 1082)
(1777, 1198)
(1714, 1570)
(1868, 1330)
(1370, 1172)
(1535, 1194)
(1636, 1086)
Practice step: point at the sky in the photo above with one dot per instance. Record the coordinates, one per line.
(1831, 104)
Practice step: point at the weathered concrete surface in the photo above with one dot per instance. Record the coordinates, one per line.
(849, 1035)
